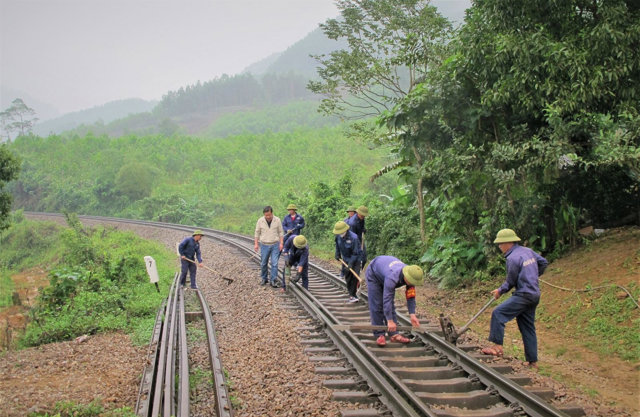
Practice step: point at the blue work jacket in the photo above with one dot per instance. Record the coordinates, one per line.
(356, 225)
(386, 272)
(523, 268)
(189, 248)
(297, 256)
(348, 248)
(294, 225)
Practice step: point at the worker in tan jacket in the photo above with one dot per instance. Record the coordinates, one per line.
(269, 238)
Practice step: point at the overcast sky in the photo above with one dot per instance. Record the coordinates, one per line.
(75, 54)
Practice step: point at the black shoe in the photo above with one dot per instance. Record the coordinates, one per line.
(275, 285)
(194, 288)
(263, 283)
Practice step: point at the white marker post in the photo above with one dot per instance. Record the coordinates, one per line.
(152, 270)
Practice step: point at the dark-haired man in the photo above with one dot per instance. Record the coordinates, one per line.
(268, 237)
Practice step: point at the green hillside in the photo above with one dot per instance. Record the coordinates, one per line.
(222, 183)
(282, 118)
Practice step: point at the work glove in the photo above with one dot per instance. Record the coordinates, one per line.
(338, 258)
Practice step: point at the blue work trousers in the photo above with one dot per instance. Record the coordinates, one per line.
(523, 309)
(269, 252)
(376, 312)
(187, 266)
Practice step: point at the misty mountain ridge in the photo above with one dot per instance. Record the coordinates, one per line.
(106, 113)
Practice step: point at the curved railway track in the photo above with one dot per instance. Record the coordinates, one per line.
(427, 377)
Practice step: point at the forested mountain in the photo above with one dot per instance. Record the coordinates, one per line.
(102, 114)
(297, 58)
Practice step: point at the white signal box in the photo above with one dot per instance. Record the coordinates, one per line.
(152, 269)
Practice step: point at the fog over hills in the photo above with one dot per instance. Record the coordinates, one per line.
(295, 62)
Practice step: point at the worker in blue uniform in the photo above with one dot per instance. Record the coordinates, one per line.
(293, 223)
(296, 253)
(189, 249)
(357, 225)
(524, 266)
(348, 249)
(384, 275)
(351, 211)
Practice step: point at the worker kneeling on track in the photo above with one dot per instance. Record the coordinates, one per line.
(384, 275)
(296, 252)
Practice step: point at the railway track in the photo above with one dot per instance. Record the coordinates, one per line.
(427, 377)
(165, 386)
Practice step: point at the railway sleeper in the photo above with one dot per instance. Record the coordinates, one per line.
(459, 384)
(499, 410)
(470, 399)
(440, 372)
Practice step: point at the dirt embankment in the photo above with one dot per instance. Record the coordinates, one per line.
(572, 360)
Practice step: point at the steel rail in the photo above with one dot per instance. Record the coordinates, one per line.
(162, 361)
(170, 369)
(223, 402)
(183, 362)
(147, 384)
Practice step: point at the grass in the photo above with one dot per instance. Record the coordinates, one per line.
(196, 334)
(94, 408)
(6, 289)
(197, 376)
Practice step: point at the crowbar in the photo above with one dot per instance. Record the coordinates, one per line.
(343, 327)
(352, 271)
(206, 267)
(449, 330)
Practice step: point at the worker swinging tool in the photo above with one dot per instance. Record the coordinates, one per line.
(449, 331)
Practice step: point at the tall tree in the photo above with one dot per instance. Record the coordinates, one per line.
(392, 47)
(9, 168)
(18, 117)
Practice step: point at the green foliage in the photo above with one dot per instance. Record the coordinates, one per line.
(324, 204)
(100, 285)
(9, 168)
(393, 229)
(220, 183)
(27, 243)
(521, 127)
(6, 289)
(93, 409)
(135, 180)
(391, 45)
(281, 118)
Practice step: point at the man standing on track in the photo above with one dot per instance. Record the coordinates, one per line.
(384, 275)
(296, 251)
(357, 225)
(524, 266)
(292, 223)
(348, 250)
(269, 235)
(351, 211)
(188, 249)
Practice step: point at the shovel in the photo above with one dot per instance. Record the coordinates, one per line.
(355, 275)
(449, 330)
